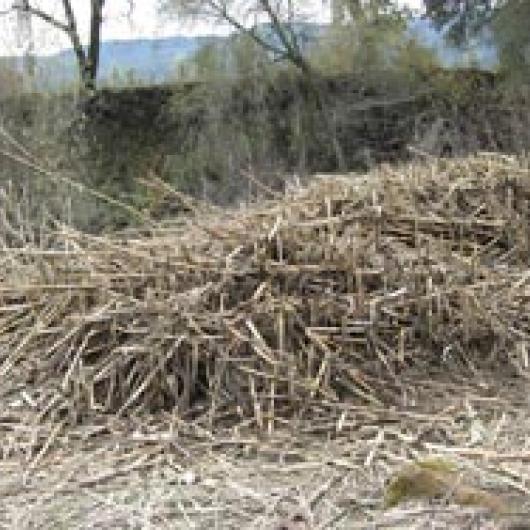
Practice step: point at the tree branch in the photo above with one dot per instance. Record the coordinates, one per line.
(74, 34)
(25, 7)
(277, 24)
(289, 40)
(222, 12)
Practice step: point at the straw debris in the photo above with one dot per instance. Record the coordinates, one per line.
(248, 316)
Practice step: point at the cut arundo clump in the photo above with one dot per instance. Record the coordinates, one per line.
(256, 312)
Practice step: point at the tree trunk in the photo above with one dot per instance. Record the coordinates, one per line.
(90, 68)
(87, 61)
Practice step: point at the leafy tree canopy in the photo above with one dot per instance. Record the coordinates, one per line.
(507, 20)
(460, 19)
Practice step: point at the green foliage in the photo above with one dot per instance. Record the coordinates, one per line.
(460, 19)
(359, 47)
(208, 62)
(415, 63)
(511, 29)
(506, 20)
(219, 136)
(509, 20)
(247, 58)
(375, 47)
(239, 56)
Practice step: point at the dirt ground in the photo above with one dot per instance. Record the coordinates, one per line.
(329, 471)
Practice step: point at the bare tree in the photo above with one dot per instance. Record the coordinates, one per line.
(282, 40)
(87, 58)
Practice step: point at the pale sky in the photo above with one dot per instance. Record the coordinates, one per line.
(120, 23)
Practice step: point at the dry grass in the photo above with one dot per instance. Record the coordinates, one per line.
(316, 316)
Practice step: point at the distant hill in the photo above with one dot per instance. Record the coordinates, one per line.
(150, 60)
(155, 60)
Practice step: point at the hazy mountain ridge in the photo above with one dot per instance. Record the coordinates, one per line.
(154, 60)
(148, 59)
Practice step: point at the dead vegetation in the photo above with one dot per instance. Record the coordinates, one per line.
(318, 313)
